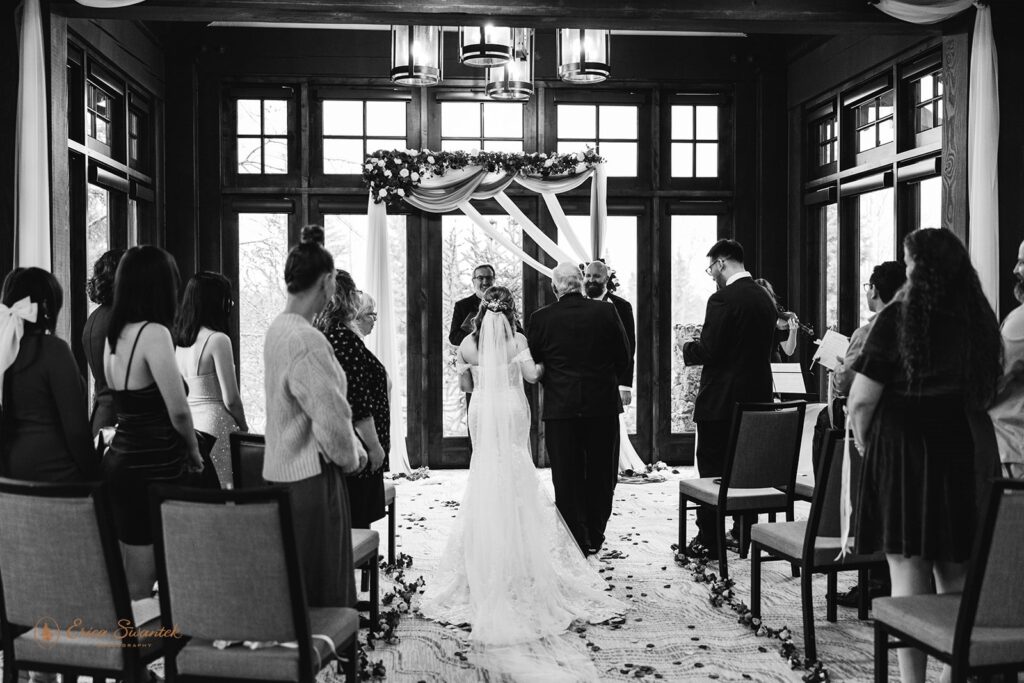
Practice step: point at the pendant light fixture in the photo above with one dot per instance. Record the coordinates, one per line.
(584, 55)
(485, 46)
(514, 80)
(416, 55)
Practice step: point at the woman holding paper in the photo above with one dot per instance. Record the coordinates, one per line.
(930, 361)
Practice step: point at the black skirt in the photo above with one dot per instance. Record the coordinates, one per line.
(917, 495)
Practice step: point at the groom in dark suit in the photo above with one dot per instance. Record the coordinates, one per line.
(735, 349)
(583, 347)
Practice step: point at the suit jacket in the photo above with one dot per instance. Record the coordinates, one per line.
(466, 308)
(735, 348)
(625, 311)
(584, 350)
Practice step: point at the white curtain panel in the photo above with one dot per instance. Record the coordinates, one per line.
(383, 341)
(31, 150)
(982, 130)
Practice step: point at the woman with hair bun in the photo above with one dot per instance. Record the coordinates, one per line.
(100, 289)
(310, 442)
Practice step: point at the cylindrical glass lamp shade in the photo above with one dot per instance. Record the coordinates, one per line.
(485, 46)
(514, 81)
(416, 55)
(584, 55)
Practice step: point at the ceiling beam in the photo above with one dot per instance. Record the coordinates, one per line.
(822, 17)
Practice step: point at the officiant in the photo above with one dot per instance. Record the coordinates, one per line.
(466, 309)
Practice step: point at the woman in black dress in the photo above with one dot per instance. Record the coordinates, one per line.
(94, 335)
(930, 362)
(45, 434)
(155, 441)
(368, 397)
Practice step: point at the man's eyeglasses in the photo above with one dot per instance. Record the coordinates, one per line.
(713, 263)
(371, 314)
(867, 287)
(484, 278)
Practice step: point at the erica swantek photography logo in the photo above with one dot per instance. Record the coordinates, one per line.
(49, 632)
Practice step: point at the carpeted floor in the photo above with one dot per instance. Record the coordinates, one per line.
(671, 626)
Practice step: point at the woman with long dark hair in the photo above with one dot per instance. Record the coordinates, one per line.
(310, 442)
(100, 289)
(44, 435)
(367, 395)
(206, 361)
(928, 368)
(155, 440)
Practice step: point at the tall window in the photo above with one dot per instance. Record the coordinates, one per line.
(874, 122)
(262, 250)
(694, 141)
(928, 196)
(828, 217)
(877, 236)
(487, 126)
(355, 129)
(610, 128)
(262, 136)
(691, 286)
(346, 238)
(464, 247)
(620, 253)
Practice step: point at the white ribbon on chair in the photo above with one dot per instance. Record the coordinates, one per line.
(845, 504)
(12, 329)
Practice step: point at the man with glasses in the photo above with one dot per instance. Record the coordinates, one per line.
(466, 309)
(735, 349)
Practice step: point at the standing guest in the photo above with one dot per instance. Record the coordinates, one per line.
(786, 325)
(735, 349)
(207, 363)
(931, 359)
(101, 293)
(1007, 412)
(466, 309)
(595, 284)
(366, 315)
(155, 440)
(44, 434)
(309, 428)
(367, 396)
(583, 348)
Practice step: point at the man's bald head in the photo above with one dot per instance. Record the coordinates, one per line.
(595, 279)
(566, 278)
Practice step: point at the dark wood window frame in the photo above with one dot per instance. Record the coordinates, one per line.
(296, 148)
(723, 99)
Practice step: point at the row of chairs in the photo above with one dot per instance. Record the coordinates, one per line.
(228, 569)
(981, 631)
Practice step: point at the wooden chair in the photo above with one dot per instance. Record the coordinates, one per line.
(229, 570)
(247, 452)
(814, 543)
(980, 631)
(760, 470)
(62, 581)
(389, 501)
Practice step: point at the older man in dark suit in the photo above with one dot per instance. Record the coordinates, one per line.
(584, 351)
(735, 349)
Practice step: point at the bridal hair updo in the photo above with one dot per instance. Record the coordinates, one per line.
(497, 300)
(307, 261)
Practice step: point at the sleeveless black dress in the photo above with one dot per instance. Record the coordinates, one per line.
(146, 449)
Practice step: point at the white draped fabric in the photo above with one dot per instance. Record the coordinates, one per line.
(31, 150)
(383, 341)
(982, 130)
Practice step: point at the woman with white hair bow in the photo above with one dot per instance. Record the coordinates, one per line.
(45, 429)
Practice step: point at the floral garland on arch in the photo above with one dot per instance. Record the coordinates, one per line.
(392, 174)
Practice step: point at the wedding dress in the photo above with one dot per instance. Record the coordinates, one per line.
(511, 569)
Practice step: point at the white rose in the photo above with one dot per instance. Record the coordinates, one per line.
(430, 160)
(543, 155)
(381, 163)
(415, 176)
(382, 192)
(548, 163)
(580, 156)
(401, 192)
(580, 168)
(369, 167)
(387, 174)
(404, 173)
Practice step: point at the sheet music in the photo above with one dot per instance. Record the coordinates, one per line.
(788, 378)
(832, 345)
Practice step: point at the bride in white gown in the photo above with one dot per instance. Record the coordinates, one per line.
(511, 569)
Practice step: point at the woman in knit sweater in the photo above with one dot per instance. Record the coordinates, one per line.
(310, 442)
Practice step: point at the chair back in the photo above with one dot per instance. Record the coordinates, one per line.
(247, 460)
(59, 558)
(228, 564)
(764, 447)
(825, 518)
(994, 592)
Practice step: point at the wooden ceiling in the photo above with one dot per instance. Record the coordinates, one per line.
(821, 17)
